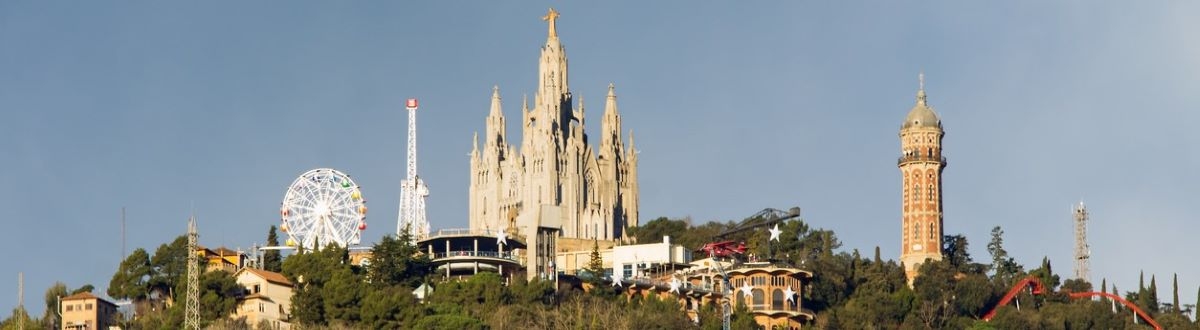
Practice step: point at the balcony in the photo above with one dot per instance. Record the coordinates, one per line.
(475, 254)
(920, 158)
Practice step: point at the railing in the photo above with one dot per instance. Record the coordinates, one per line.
(463, 232)
(485, 254)
(919, 158)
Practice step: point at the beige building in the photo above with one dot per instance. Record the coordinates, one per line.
(591, 193)
(87, 311)
(268, 298)
(921, 163)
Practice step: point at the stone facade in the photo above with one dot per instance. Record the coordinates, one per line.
(921, 163)
(594, 190)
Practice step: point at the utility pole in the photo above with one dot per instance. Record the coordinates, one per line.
(1082, 251)
(192, 313)
(21, 301)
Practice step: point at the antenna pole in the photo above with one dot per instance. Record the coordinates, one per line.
(192, 309)
(123, 233)
(21, 315)
(1082, 251)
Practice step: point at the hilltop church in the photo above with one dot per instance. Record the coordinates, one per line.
(556, 179)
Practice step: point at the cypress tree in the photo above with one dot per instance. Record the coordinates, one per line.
(1175, 292)
(1103, 284)
(1152, 294)
(272, 260)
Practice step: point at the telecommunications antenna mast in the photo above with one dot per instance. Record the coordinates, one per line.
(191, 318)
(412, 190)
(1083, 253)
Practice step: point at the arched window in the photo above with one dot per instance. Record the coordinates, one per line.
(741, 299)
(931, 234)
(916, 231)
(777, 299)
(760, 298)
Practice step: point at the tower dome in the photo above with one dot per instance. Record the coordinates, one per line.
(922, 114)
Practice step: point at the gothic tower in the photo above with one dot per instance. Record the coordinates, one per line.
(921, 163)
(590, 193)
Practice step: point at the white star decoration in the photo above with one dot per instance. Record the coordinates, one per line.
(775, 233)
(746, 289)
(501, 238)
(675, 285)
(789, 294)
(616, 280)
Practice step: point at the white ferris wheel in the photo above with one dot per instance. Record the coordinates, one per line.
(323, 206)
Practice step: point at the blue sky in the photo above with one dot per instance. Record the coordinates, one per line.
(157, 107)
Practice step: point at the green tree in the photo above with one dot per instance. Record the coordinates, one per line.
(595, 265)
(85, 288)
(1006, 270)
(1046, 275)
(53, 293)
(130, 280)
(654, 230)
(272, 259)
(168, 267)
(395, 261)
(390, 308)
(955, 249)
(20, 317)
(1152, 296)
(1175, 293)
(219, 292)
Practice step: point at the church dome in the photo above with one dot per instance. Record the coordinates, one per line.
(922, 115)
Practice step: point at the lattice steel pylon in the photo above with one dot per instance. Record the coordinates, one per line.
(192, 309)
(1082, 252)
(412, 190)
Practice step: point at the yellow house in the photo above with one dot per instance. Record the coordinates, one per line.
(222, 259)
(86, 311)
(268, 298)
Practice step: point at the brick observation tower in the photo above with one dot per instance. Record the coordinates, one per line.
(921, 163)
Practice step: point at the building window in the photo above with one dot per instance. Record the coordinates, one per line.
(257, 288)
(777, 299)
(759, 299)
(916, 231)
(87, 307)
(70, 308)
(931, 235)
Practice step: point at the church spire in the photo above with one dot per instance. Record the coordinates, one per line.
(610, 125)
(495, 122)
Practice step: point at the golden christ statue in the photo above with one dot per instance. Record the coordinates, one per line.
(551, 17)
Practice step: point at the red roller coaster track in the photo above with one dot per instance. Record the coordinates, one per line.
(1036, 287)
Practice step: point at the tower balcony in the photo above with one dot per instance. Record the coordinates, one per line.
(920, 158)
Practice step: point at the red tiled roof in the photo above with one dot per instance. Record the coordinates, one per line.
(86, 296)
(270, 276)
(81, 296)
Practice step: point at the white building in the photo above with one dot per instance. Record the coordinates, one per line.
(268, 298)
(629, 261)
